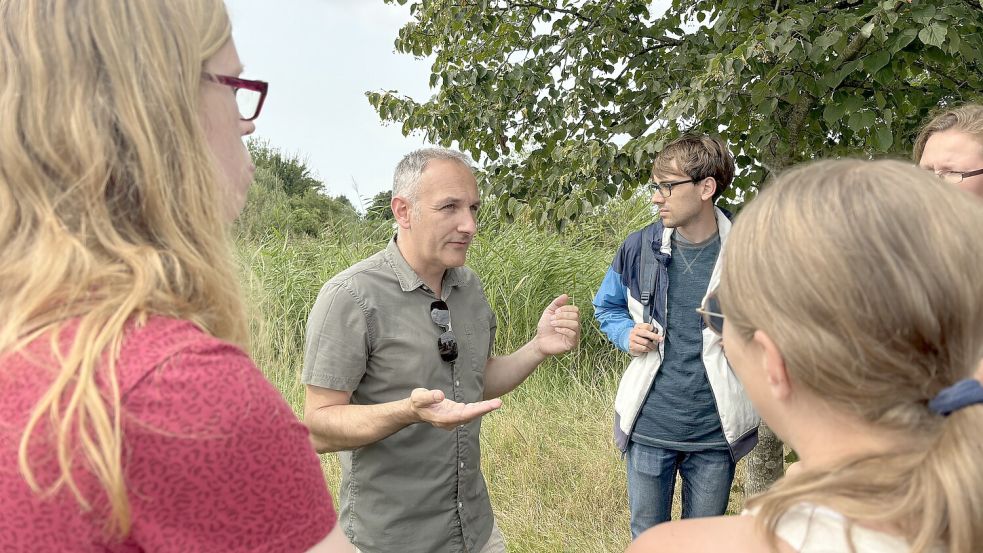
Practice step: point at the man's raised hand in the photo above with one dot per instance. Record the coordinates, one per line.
(558, 330)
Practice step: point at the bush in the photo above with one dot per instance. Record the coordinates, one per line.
(272, 210)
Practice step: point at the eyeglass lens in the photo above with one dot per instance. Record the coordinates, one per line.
(248, 102)
(711, 314)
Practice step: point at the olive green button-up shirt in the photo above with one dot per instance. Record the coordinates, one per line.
(421, 489)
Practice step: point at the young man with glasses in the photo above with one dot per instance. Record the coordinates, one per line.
(679, 407)
(405, 337)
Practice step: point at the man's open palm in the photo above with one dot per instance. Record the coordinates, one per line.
(431, 406)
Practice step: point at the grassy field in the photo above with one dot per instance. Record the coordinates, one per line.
(557, 482)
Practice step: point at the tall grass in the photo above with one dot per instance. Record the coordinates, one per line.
(556, 480)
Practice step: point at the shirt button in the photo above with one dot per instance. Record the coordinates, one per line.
(460, 505)
(457, 382)
(462, 465)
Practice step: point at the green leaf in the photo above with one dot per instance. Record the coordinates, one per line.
(861, 120)
(834, 80)
(768, 107)
(874, 62)
(924, 14)
(904, 38)
(883, 139)
(512, 206)
(885, 76)
(933, 35)
(852, 104)
(879, 99)
(833, 111)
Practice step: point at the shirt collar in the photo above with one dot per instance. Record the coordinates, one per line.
(408, 279)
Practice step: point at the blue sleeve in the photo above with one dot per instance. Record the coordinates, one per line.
(611, 310)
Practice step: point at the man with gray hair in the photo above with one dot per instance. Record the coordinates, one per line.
(399, 371)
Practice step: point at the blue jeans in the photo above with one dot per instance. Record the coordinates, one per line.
(707, 477)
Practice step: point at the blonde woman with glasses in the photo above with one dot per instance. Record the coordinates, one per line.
(132, 419)
(951, 146)
(851, 311)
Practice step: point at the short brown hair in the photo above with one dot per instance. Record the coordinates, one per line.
(698, 156)
(967, 118)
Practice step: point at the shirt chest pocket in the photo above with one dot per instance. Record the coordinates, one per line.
(476, 345)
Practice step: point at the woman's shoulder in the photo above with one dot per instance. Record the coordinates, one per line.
(202, 403)
(737, 534)
(175, 377)
(158, 338)
(160, 343)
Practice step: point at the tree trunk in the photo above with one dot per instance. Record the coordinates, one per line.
(766, 463)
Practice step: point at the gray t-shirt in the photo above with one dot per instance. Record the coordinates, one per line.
(680, 412)
(421, 489)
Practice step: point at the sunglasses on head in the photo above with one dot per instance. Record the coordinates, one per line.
(710, 310)
(440, 314)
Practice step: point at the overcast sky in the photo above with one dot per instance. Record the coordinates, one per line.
(320, 56)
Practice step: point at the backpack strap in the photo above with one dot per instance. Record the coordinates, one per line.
(646, 282)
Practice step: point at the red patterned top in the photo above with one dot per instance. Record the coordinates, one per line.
(214, 459)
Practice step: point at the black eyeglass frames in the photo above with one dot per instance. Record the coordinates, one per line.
(665, 188)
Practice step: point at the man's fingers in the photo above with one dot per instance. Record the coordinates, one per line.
(422, 397)
(473, 410)
(652, 339)
(565, 323)
(566, 332)
(567, 312)
(560, 301)
(449, 414)
(643, 341)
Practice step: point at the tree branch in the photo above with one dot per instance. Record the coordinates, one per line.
(975, 4)
(543, 8)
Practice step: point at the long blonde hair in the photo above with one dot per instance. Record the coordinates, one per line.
(867, 277)
(109, 206)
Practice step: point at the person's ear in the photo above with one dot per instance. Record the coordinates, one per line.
(776, 374)
(708, 188)
(401, 211)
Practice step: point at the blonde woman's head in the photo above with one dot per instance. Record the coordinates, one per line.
(120, 166)
(866, 277)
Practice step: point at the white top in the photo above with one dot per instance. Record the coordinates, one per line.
(814, 529)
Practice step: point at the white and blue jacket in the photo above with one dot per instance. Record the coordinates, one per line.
(617, 309)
